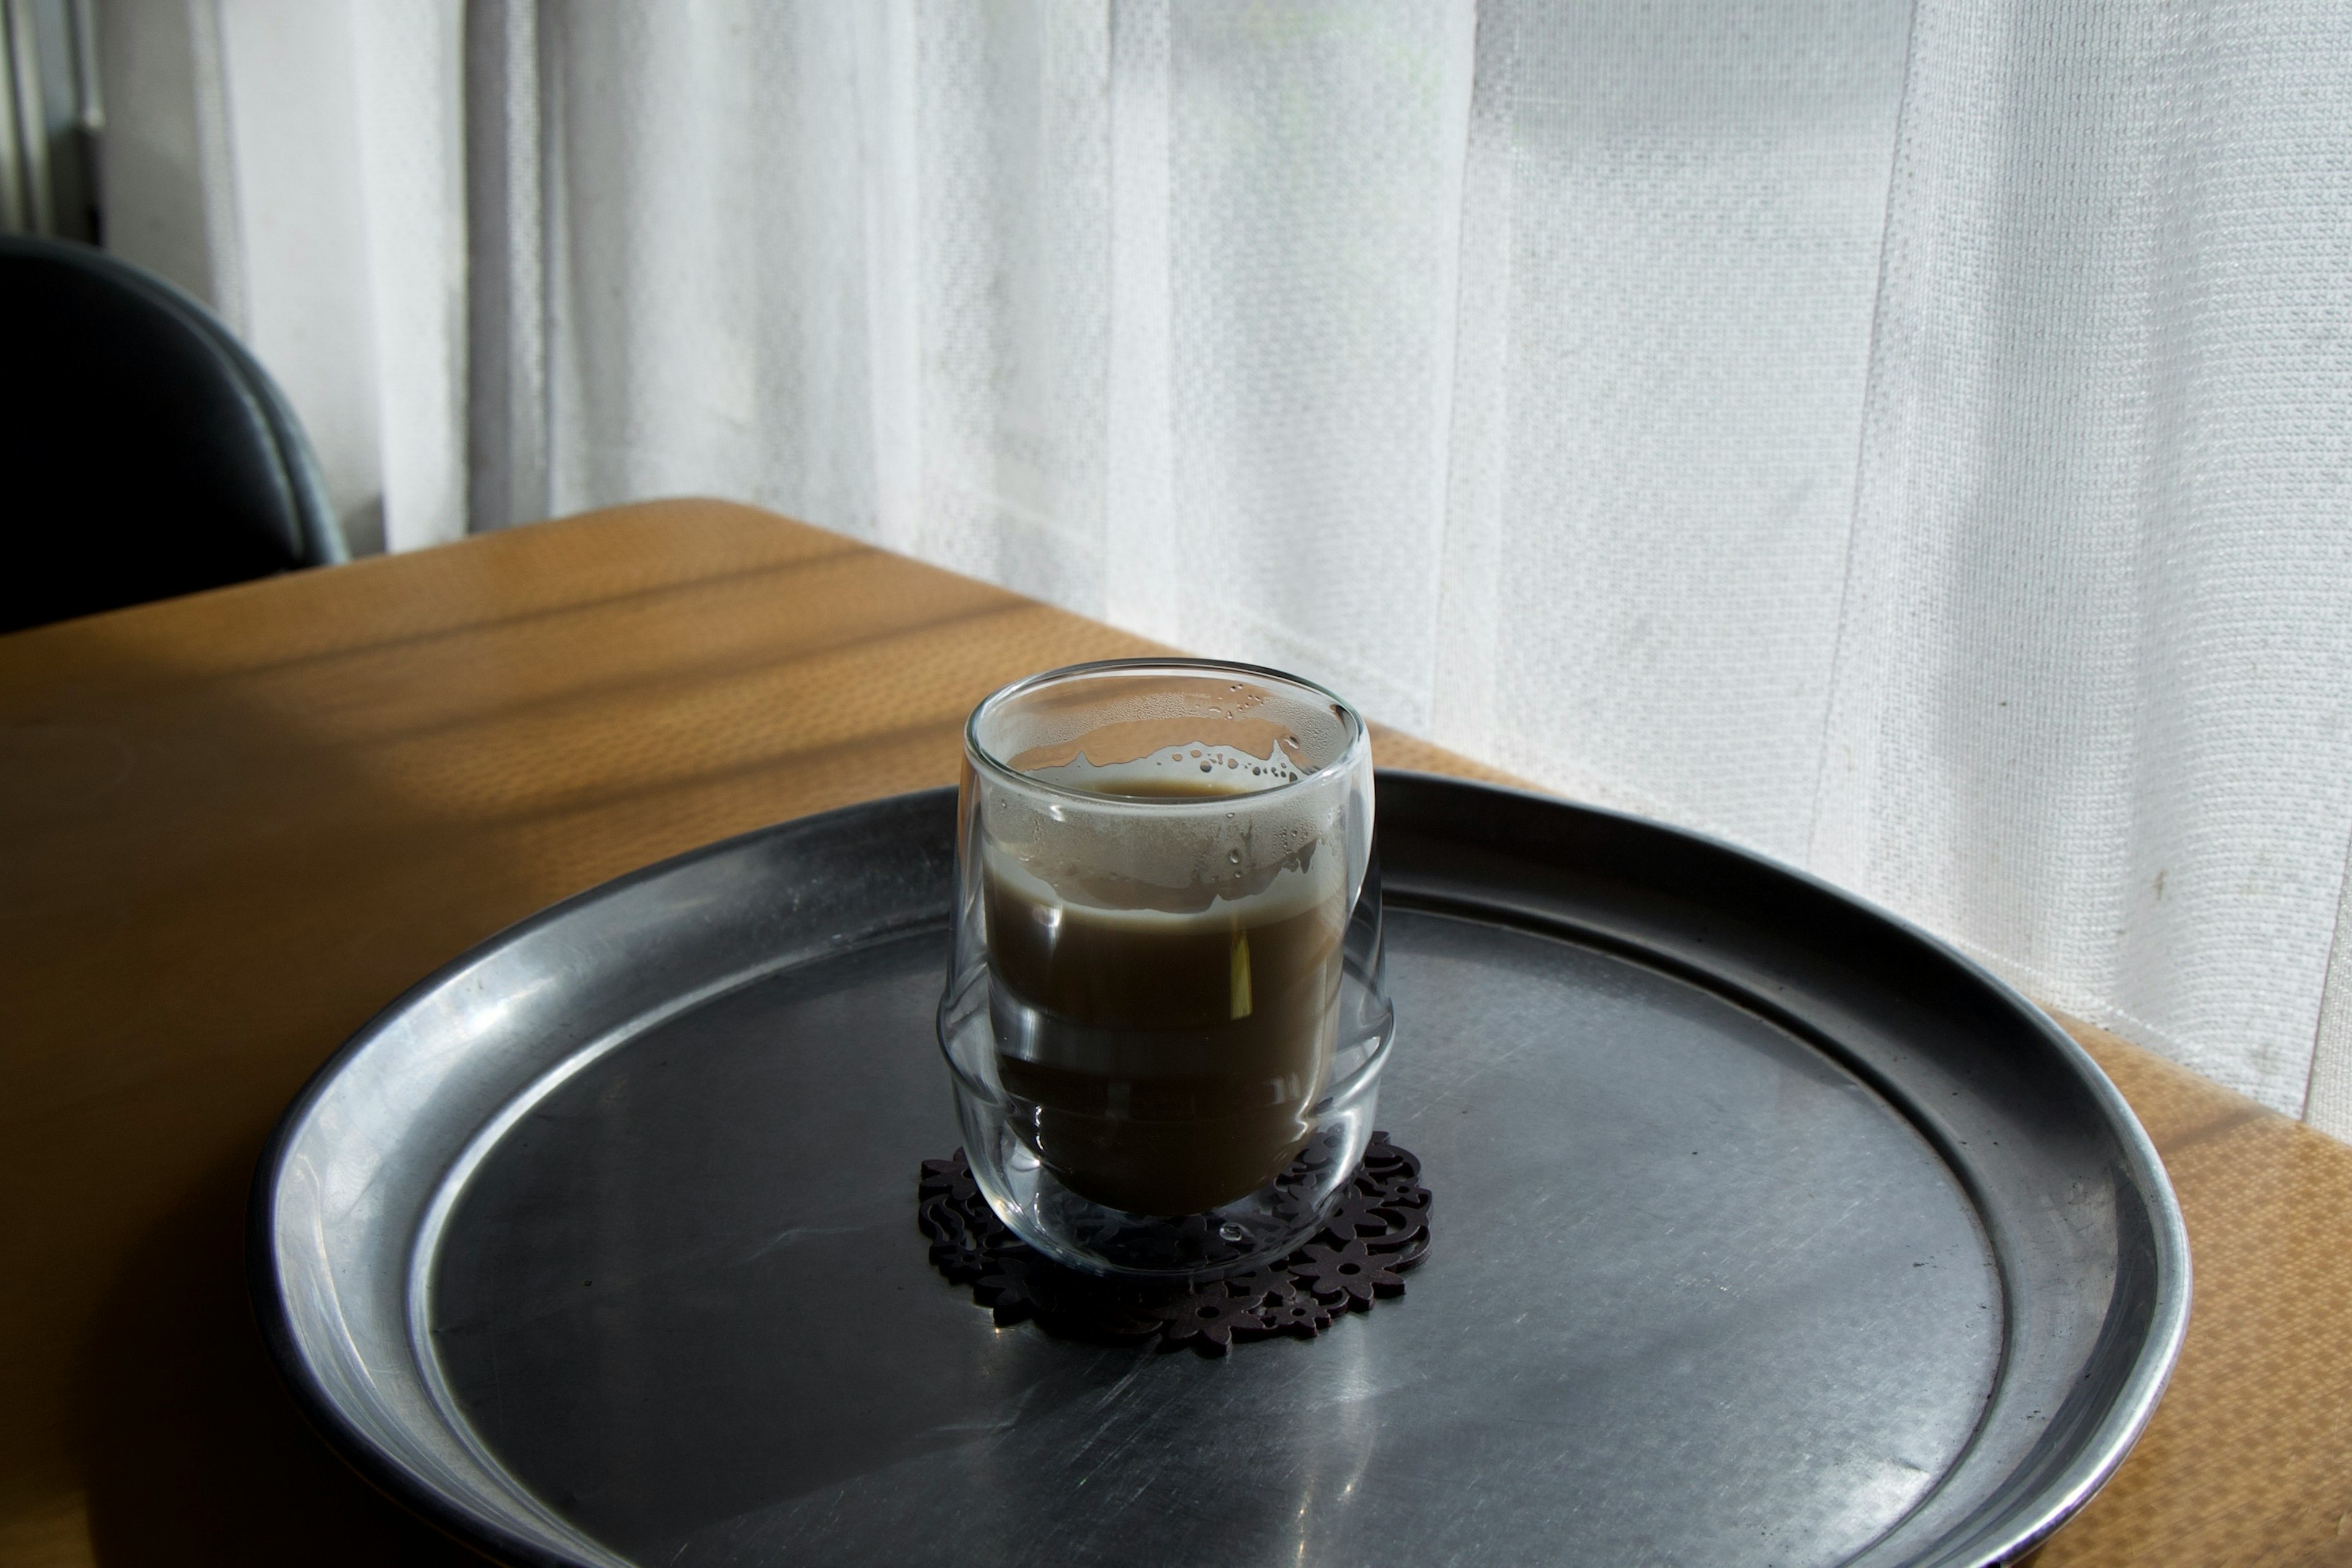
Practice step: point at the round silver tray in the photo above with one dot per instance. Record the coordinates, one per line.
(1768, 1230)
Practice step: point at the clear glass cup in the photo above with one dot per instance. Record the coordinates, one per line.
(1166, 1015)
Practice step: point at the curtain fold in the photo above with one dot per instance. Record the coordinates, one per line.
(300, 166)
(2094, 688)
(1911, 441)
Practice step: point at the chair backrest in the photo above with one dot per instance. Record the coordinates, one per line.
(143, 452)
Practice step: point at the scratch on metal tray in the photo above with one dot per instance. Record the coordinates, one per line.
(791, 1234)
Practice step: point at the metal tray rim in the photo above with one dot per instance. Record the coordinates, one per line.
(2121, 1427)
(2135, 1406)
(266, 1288)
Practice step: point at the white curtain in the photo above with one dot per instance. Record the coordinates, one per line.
(1915, 441)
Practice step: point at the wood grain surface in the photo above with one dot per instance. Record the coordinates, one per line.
(234, 825)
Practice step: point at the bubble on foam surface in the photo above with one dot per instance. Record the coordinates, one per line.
(1121, 717)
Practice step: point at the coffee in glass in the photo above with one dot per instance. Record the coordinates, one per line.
(1165, 1016)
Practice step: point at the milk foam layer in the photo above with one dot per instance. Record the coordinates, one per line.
(1290, 889)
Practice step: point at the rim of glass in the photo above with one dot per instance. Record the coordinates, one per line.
(1359, 738)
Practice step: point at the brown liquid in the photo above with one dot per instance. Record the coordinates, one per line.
(1164, 1064)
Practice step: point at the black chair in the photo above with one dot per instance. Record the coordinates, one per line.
(145, 453)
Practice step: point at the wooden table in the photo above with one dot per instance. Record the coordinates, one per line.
(234, 825)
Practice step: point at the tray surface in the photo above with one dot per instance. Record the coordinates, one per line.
(1767, 1231)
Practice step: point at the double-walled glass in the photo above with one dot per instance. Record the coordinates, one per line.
(1166, 1015)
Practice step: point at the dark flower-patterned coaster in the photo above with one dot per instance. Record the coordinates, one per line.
(1377, 1230)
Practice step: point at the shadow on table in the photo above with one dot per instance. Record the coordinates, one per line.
(239, 824)
(192, 1450)
(211, 886)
